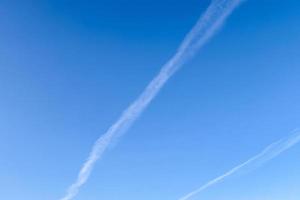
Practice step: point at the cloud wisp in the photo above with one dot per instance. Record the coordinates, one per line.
(208, 24)
(270, 152)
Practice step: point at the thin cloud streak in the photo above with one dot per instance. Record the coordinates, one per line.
(208, 24)
(270, 152)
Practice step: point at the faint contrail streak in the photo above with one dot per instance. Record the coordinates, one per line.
(267, 154)
(205, 28)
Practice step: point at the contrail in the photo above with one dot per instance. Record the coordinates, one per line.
(208, 24)
(270, 152)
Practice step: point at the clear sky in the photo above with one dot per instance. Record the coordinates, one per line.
(69, 68)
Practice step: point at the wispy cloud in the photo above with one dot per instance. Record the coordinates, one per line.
(205, 28)
(270, 152)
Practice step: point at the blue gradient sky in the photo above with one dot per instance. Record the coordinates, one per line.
(69, 68)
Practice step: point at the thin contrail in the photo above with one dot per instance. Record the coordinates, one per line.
(205, 28)
(267, 154)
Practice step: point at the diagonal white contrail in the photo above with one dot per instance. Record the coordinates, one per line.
(267, 154)
(205, 28)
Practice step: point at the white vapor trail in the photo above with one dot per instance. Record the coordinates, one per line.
(205, 28)
(270, 152)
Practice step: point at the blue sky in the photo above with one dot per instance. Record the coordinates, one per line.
(69, 68)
